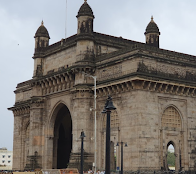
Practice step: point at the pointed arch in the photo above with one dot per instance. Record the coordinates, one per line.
(171, 157)
(60, 129)
(171, 118)
(54, 112)
(26, 125)
(171, 143)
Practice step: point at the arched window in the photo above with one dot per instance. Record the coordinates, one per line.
(171, 158)
(171, 118)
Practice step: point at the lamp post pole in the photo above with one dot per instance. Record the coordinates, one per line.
(107, 109)
(107, 157)
(121, 157)
(95, 107)
(95, 110)
(82, 148)
(122, 154)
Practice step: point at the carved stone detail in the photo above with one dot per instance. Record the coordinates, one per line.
(167, 71)
(56, 83)
(141, 84)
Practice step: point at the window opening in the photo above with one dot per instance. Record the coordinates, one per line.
(171, 157)
(171, 118)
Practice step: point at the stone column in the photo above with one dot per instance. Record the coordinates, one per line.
(82, 119)
(36, 138)
(17, 150)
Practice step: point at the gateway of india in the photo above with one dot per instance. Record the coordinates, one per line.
(154, 91)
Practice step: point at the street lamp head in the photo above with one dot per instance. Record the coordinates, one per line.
(110, 105)
(82, 134)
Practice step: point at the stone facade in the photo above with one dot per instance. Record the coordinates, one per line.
(153, 90)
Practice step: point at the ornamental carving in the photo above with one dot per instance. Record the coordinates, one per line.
(171, 118)
(39, 70)
(167, 71)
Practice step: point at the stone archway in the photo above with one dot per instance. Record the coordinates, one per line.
(171, 133)
(62, 142)
(171, 156)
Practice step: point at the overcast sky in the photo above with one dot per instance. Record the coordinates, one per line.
(19, 20)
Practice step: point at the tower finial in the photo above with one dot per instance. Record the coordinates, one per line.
(85, 1)
(152, 19)
(42, 23)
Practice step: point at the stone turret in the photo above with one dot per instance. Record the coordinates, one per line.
(152, 34)
(85, 39)
(41, 37)
(85, 19)
(41, 41)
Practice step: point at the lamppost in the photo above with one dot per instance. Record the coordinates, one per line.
(107, 109)
(121, 154)
(82, 158)
(95, 110)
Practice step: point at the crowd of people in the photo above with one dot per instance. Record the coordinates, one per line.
(98, 172)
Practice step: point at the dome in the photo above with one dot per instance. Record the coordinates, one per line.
(85, 10)
(152, 27)
(42, 31)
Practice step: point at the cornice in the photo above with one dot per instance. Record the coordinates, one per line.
(144, 84)
(170, 78)
(56, 47)
(23, 107)
(85, 36)
(149, 51)
(115, 41)
(98, 38)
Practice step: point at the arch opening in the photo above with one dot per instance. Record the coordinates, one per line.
(62, 143)
(171, 156)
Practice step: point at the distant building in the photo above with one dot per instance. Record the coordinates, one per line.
(171, 150)
(5, 159)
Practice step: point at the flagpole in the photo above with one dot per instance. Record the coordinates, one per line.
(66, 21)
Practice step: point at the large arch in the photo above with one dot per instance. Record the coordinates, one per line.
(61, 123)
(172, 134)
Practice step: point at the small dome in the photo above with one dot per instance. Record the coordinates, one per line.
(152, 27)
(42, 31)
(85, 10)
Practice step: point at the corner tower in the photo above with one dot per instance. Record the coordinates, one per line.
(85, 39)
(41, 41)
(85, 19)
(41, 37)
(152, 34)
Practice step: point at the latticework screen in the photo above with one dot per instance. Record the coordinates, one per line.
(114, 120)
(171, 118)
